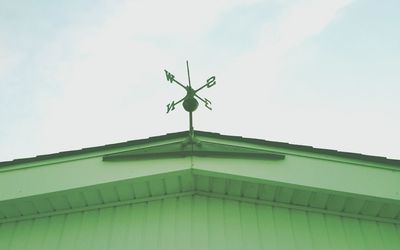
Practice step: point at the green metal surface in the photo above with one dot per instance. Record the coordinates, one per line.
(336, 180)
(198, 222)
(215, 192)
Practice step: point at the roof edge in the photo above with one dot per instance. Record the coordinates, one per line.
(175, 135)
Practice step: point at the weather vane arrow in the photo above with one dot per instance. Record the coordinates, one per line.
(190, 103)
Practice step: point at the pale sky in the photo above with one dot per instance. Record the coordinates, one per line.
(77, 74)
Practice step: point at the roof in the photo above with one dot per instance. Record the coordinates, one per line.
(211, 165)
(282, 145)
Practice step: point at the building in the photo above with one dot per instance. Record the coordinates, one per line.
(218, 192)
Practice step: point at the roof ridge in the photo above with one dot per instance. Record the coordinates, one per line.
(174, 135)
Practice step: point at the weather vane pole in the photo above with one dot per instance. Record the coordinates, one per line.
(190, 102)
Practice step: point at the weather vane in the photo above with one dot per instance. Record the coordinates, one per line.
(190, 102)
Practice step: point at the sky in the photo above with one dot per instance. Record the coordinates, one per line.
(76, 74)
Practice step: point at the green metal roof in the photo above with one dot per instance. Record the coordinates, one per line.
(282, 145)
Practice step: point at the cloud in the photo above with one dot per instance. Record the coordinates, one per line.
(113, 68)
(110, 73)
(8, 60)
(255, 78)
(301, 21)
(298, 21)
(103, 76)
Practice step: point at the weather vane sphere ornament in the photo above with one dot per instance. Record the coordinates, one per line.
(190, 103)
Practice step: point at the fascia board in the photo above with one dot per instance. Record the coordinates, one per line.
(298, 150)
(81, 173)
(311, 173)
(86, 153)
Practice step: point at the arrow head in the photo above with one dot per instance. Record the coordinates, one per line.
(170, 77)
(170, 106)
(211, 82)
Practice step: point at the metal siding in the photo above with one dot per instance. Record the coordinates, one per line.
(198, 222)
